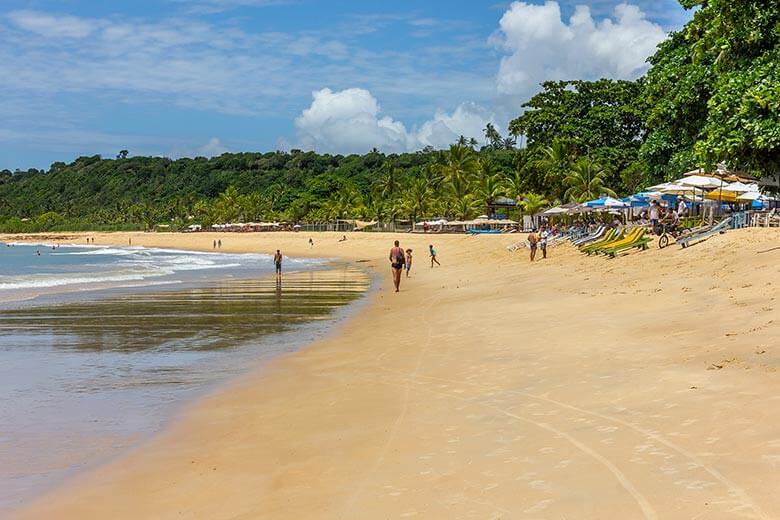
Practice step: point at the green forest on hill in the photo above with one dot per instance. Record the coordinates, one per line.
(711, 95)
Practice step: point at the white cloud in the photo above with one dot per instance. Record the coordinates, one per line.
(218, 6)
(468, 119)
(51, 26)
(213, 148)
(542, 46)
(349, 121)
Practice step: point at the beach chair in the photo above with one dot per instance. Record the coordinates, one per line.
(591, 237)
(695, 237)
(639, 241)
(520, 244)
(627, 239)
(612, 235)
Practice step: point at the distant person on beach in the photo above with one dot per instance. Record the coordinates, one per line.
(343, 238)
(408, 261)
(533, 243)
(397, 262)
(219, 244)
(311, 243)
(214, 244)
(543, 235)
(655, 214)
(682, 209)
(432, 252)
(278, 263)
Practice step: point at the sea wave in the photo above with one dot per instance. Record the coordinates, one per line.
(39, 281)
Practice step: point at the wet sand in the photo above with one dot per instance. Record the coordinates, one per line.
(641, 387)
(85, 379)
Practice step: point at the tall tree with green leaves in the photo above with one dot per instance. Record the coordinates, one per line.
(586, 181)
(602, 119)
(533, 203)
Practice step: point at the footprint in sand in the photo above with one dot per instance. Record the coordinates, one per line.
(539, 506)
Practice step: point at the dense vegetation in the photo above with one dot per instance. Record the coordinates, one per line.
(712, 95)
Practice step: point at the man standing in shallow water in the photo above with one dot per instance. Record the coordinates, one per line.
(397, 262)
(278, 263)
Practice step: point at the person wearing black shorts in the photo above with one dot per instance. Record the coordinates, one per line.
(397, 262)
(278, 263)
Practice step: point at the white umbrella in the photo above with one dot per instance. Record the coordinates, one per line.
(614, 203)
(751, 195)
(740, 187)
(699, 181)
(659, 187)
(673, 188)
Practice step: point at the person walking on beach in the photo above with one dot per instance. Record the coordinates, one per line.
(278, 263)
(397, 262)
(219, 244)
(408, 261)
(311, 243)
(533, 242)
(432, 252)
(543, 235)
(214, 244)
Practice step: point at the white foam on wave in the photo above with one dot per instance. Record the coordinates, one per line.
(39, 281)
(138, 264)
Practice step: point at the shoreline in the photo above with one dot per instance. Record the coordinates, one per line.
(437, 402)
(68, 459)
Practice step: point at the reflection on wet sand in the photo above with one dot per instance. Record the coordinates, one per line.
(218, 317)
(85, 379)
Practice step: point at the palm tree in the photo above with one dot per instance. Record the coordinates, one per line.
(418, 197)
(465, 206)
(586, 181)
(459, 161)
(228, 205)
(388, 182)
(533, 203)
(493, 138)
(490, 189)
(514, 185)
(432, 176)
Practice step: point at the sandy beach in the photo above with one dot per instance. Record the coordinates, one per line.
(645, 386)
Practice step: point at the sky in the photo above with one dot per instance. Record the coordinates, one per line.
(201, 77)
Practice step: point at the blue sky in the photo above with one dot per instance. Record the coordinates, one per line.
(199, 77)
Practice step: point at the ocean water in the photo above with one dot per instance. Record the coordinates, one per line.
(31, 271)
(100, 347)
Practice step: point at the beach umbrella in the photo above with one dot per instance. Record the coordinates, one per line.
(740, 187)
(606, 202)
(699, 181)
(635, 202)
(673, 188)
(615, 203)
(751, 195)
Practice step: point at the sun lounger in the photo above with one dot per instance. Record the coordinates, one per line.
(520, 244)
(629, 238)
(611, 236)
(639, 241)
(602, 235)
(700, 236)
(590, 238)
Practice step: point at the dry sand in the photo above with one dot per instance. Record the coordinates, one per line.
(641, 387)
